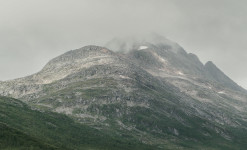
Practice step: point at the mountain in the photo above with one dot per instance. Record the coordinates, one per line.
(149, 90)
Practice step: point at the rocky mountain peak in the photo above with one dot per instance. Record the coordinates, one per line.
(81, 53)
(215, 74)
(74, 60)
(210, 64)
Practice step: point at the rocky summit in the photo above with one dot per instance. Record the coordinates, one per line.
(150, 90)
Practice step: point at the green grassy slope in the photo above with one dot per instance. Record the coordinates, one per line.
(22, 127)
(11, 139)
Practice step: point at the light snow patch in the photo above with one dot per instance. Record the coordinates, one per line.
(142, 47)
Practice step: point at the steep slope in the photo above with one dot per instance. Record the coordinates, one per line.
(168, 61)
(162, 57)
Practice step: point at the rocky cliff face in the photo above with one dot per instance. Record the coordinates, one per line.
(153, 90)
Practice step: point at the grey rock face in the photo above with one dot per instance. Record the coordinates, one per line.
(217, 75)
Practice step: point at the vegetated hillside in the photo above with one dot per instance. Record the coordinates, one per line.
(154, 93)
(11, 138)
(24, 128)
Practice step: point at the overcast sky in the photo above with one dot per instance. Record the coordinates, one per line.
(34, 31)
